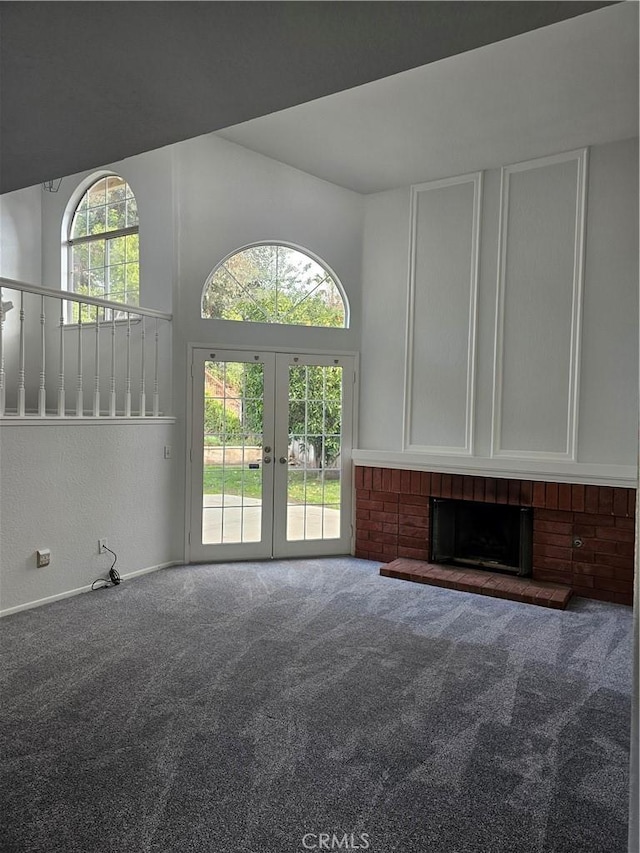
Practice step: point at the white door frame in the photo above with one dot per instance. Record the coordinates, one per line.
(191, 346)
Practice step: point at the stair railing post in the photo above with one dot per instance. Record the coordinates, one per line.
(42, 391)
(127, 390)
(143, 394)
(112, 393)
(2, 376)
(96, 381)
(79, 400)
(156, 385)
(61, 401)
(21, 368)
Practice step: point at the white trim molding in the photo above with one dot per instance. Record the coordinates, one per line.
(467, 449)
(569, 454)
(69, 420)
(548, 471)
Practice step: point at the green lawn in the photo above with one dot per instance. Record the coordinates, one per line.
(251, 479)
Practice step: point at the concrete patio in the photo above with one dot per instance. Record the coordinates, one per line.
(239, 520)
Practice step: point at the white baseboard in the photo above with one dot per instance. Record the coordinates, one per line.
(29, 605)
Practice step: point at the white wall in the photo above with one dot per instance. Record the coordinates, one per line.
(229, 197)
(442, 297)
(539, 292)
(385, 274)
(609, 378)
(21, 235)
(198, 201)
(543, 220)
(63, 487)
(21, 259)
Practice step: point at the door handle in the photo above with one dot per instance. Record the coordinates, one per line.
(267, 459)
(267, 450)
(283, 460)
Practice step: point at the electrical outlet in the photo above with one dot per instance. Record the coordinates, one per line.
(102, 544)
(43, 557)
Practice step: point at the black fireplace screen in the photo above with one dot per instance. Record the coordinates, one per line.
(495, 537)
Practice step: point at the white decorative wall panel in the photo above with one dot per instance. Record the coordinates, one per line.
(538, 316)
(441, 329)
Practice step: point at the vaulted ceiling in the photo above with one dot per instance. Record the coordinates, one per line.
(557, 88)
(88, 83)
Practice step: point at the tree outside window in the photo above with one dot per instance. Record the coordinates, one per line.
(104, 248)
(274, 283)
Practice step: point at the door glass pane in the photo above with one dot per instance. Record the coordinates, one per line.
(232, 463)
(313, 476)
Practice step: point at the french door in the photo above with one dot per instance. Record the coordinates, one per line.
(270, 454)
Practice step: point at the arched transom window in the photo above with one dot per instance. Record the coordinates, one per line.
(104, 243)
(274, 283)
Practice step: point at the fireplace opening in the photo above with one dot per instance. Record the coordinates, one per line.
(494, 537)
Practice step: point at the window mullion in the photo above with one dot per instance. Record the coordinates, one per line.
(111, 235)
(296, 288)
(95, 206)
(107, 270)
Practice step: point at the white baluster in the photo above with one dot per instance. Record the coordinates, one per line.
(61, 401)
(112, 393)
(156, 388)
(96, 384)
(127, 391)
(143, 394)
(2, 377)
(42, 391)
(21, 391)
(79, 401)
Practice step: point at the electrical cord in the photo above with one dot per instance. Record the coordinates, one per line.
(114, 576)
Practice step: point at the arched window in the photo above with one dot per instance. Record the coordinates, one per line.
(274, 283)
(104, 245)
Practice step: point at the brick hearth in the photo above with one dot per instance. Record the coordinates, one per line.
(526, 590)
(393, 520)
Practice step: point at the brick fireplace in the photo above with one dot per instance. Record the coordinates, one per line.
(583, 536)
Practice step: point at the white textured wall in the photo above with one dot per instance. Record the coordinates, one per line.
(21, 259)
(608, 372)
(64, 487)
(20, 235)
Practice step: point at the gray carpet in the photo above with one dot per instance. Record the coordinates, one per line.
(238, 707)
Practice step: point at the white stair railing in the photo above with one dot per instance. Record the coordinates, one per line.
(34, 338)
